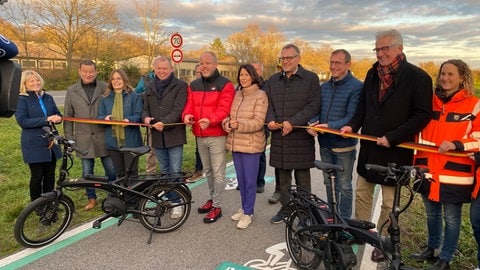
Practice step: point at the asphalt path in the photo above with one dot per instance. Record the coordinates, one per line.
(195, 245)
(58, 96)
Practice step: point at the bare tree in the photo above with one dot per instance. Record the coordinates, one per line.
(150, 18)
(67, 22)
(19, 14)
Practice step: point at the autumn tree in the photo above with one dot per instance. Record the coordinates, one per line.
(431, 68)
(253, 44)
(66, 23)
(19, 16)
(360, 67)
(315, 59)
(218, 48)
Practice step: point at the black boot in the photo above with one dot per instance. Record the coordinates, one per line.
(426, 255)
(440, 265)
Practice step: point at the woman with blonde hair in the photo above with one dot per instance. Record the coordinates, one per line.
(35, 110)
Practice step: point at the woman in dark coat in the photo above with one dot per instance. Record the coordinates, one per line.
(35, 110)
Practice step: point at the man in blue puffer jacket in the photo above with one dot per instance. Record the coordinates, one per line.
(340, 98)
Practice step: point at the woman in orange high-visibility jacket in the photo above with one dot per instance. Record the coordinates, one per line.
(454, 126)
(475, 209)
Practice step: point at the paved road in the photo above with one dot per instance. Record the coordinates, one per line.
(58, 96)
(195, 245)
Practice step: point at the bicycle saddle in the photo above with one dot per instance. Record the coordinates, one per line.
(136, 150)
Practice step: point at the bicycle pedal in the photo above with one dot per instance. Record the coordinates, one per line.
(97, 225)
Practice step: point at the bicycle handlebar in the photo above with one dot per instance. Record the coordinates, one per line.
(57, 139)
(402, 173)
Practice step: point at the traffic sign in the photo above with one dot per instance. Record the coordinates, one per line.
(176, 40)
(177, 55)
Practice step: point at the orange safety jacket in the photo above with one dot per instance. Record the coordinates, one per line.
(456, 121)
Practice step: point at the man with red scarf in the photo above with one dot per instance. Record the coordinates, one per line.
(396, 104)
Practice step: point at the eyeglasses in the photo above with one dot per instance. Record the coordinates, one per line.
(286, 58)
(383, 49)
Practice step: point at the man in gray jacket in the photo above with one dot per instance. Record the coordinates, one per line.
(81, 101)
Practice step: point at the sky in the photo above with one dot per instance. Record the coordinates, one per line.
(432, 30)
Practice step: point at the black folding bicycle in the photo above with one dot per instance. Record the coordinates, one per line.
(161, 202)
(316, 233)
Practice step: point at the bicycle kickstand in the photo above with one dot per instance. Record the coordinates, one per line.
(157, 221)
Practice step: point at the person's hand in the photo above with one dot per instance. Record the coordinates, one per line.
(159, 126)
(346, 129)
(204, 123)
(147, 120)
(125, 120)
(272, 125)
(446, 146)
(54, 119)
(233, 124)
(108, 118)
(287, 128)
(188, 119)
(312, 131)
(383, 141)
(226, 126)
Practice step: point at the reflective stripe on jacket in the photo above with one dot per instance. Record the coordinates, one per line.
(455, 121)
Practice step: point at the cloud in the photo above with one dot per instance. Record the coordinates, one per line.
(432, 30)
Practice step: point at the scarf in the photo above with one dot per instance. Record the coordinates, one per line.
(42, 104)
(117, 115)
(386, 73)
(160, 85)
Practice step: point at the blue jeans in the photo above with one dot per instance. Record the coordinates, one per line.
(170, 159)
(475, 220)
(214, 159)
(88, 165)
(343, 181)
(452, 214)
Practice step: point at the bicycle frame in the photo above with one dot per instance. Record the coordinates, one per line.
(148, 197)
(329, 225)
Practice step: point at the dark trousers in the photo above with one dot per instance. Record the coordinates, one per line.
(262, 168)
(122, 162)
(198, 161)
(42, 178)
(302, 178)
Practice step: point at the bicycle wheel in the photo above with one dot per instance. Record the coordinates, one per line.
(43, 221)
(168, 215)
(301, 246)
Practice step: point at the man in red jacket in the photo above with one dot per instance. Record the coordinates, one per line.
(208, 103)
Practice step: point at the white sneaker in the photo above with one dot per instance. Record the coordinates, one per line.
(244, 221)
(477, 268)
(177, 212)
(237, 216)
(231, 183)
